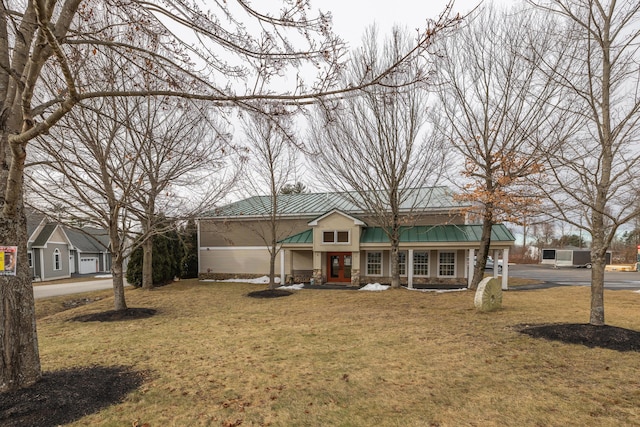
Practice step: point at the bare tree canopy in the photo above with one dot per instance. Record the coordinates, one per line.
(375, 148)
(593, 179)
(496, 107)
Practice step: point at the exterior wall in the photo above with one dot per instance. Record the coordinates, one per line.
(221, 233)
(48, 273)
(336, 222)
(240, 262)
(298, 265)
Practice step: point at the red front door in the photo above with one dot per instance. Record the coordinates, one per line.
(339, 267)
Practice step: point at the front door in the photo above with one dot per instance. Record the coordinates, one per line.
(339, 267)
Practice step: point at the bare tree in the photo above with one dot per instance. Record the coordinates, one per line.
(494, 108)
(48, 51)
(593, 179)
(182, 154)
(374, 148)
(271, 162)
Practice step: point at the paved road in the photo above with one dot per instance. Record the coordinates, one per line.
(45, 291)
(569, 276)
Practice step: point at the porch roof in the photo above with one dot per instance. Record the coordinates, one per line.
(420, 234)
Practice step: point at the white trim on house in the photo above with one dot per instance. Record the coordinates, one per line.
(366, 263)
(447, 276)
(336, 241)
(235, 248)
(356, 221)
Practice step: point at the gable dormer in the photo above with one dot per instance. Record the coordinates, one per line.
(336, 231)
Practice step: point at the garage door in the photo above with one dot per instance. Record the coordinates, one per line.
(88, 265)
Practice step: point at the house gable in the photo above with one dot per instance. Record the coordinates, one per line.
(336, 231)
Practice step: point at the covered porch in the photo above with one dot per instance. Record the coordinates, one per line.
(429, 256)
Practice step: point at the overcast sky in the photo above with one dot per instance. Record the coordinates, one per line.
(352, 17)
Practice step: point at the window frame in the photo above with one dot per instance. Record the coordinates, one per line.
(428, 260)
(368, 264)
(57, 260)
(441, 264)
(401, 263)
(336, 234)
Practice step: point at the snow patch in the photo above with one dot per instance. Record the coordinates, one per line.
(376, 287)
(438, 291)
(295, 287)
(264, 280)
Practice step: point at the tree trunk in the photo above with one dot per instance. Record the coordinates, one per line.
(19, 357)
(395, 271)
(272, 267)
(118, 283)
(117, 269)
(483, 252)
(147, 263)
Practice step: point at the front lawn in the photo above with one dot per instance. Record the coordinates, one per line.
(213, 356)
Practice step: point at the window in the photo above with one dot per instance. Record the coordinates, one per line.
(328, 237)
(421, 263)
(336, 236)
(30, 259)
(374, 263)
(447, 264)
(402, 263)
(56, 260)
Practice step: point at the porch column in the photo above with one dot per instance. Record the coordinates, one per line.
(471, 266)
(505, 269)
(495, 263)
(410, 269)
(282, 273)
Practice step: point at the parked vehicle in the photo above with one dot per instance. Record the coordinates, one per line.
(490, 264)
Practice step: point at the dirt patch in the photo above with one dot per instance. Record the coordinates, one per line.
(116, 315)
(73, 303)
(610, 337)
(270, 293)
(62, 397)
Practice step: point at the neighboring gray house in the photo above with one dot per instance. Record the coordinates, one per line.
(56, 251)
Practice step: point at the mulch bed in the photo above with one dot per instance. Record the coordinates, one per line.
(116, 315)
(270, 293)
(609, 337)
(62, 397)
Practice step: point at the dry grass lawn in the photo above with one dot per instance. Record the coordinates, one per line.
(213, 356)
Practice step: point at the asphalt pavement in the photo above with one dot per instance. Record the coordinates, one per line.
(571, 276)
(46, 291)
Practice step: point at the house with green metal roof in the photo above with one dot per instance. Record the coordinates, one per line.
(326, 238)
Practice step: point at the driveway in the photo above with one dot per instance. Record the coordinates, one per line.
(45, 291)
(569, 276)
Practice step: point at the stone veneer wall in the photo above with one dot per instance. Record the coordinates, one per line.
(417, 281)
(317, 277)
(223, 276)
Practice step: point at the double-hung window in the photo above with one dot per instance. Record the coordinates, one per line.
(447, 264)
(421, 263)
(374, 263)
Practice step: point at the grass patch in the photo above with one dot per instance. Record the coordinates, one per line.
(215, 357)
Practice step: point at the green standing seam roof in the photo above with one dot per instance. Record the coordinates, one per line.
(420, 234)
(316, 204)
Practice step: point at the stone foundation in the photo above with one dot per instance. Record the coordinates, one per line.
(317, 277)
(225, 276)
(355, 277)
(418, 282)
